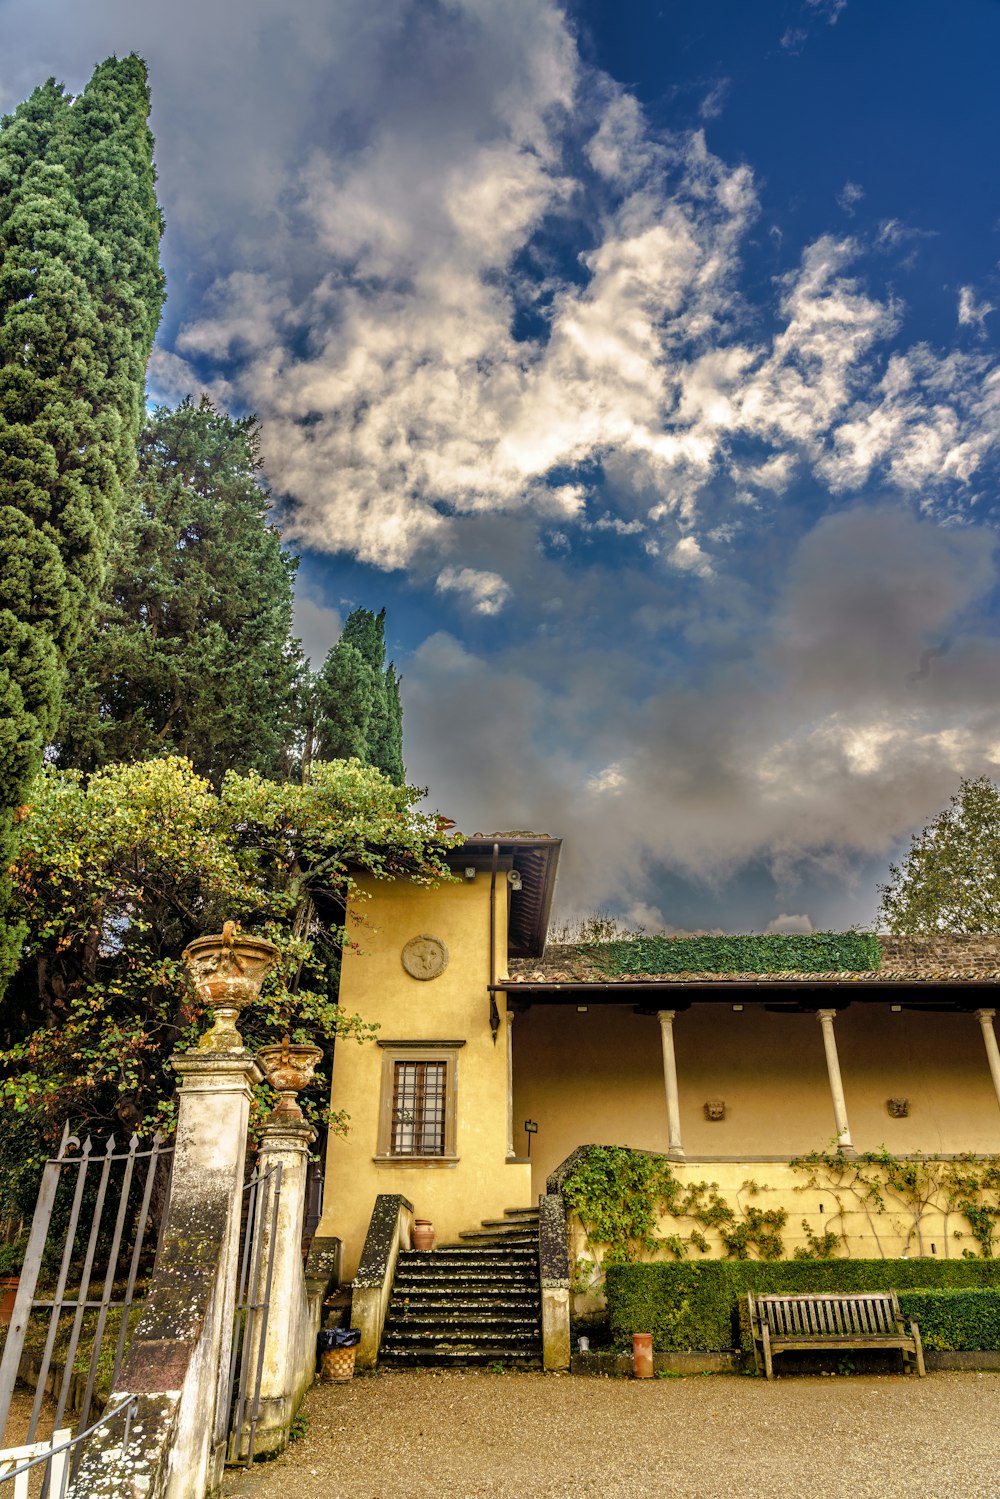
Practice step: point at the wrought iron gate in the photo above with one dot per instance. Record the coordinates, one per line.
(79, 1188)
(262, 1195)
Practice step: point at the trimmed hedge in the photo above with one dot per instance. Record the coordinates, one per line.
(962, 1320)
(819, 952)
(698, 1306)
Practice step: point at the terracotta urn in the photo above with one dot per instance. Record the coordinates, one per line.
(227, 972)
(423, 1234)
(289, 1067)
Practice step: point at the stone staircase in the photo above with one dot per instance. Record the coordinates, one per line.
(475, 1302)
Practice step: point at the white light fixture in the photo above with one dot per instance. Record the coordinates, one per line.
(896, 1009)
(581, 1009)
(470, 871)
(737, 1007)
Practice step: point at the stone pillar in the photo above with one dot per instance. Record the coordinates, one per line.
(985, 1018)
(292, 1324)
(178, 1360)
(510, 1083)
(844, 1142)
(675, 1149)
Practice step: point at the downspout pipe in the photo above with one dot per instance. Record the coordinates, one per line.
(494, 1012)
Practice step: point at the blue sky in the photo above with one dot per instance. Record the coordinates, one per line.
(641, 359)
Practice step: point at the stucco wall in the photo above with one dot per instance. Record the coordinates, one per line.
(454, 1006)
(598, 1077)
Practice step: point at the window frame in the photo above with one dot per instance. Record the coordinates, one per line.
(417, 1051)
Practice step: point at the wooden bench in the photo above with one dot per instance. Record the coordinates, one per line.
(800, 1324)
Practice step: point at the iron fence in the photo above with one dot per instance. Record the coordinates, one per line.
(60, 1456)
(253, 1304)
(92, 1212)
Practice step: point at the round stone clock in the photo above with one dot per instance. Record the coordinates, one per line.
(425, 957)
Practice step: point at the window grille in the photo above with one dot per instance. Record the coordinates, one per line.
(418, 1108)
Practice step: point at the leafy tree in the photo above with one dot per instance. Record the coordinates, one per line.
(949, 880)
(356, 695)
(191, 649)
(80, 298)
(117, 872)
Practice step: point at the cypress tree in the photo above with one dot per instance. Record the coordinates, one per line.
(80, 297)
(192, 650)
(357, 695)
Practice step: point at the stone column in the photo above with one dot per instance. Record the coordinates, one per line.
(675, 1149)
(290, 1342)
(985, 1018)
(177, 1363)
(844, 1142)
(510, 1083)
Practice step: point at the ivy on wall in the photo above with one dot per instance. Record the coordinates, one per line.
(817, 952)
(621, 1195)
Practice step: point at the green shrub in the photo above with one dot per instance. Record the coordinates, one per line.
(963, 1320)
(698, 1305)
(819, 952)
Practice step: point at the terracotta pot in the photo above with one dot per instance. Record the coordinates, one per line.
(8, 1295)
(423, 1234)
(227, 971)
(642, 1355)
(289, 1067)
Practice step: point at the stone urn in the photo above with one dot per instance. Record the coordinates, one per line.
(227, 971)
(289, 1067)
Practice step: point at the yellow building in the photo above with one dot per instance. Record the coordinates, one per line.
(481, 1032)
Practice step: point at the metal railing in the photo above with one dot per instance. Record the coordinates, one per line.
(60, 1455)
(84, 1186)
(253, 1304)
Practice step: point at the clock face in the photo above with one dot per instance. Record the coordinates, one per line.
(425, 957)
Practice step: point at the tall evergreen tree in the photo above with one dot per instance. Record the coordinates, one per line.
(80, 298)
(191, 650)
(358, 711)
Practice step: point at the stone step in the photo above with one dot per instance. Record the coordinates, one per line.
(466, 1285)
(529, 1213)
(460, 1300)
(420, 1358)
(461, 1334)
(453, 1253)
(488, 1237)
(524, 1225)
(463, 1317)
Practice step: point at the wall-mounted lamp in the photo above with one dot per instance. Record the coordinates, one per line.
(470, 871)
(582, 1009)
(530, 1128)
(514, 879)
(896, 1009)
(737, 1008)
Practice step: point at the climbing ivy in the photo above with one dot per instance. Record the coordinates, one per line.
(817, 952)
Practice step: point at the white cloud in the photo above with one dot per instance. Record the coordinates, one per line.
(791, 925)
(971, 312)
(487, 592)
(689, 557)
(850, 196)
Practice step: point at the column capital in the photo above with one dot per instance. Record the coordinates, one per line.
(982, 1015)
(822, 1015)
(666, 1015)
(287, 1135)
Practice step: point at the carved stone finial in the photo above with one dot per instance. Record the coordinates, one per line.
(289, 1067)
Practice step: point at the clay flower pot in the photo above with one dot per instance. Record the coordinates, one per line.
(289, 1067)
(227, 971)
(423, 1234)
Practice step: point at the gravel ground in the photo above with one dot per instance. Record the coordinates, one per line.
(469, 1435)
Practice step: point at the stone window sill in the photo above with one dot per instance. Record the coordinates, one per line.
(415, 1160)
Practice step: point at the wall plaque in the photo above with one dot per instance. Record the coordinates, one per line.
(425, 957)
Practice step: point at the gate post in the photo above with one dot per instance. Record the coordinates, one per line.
(178, 1360)
(293, 1318)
